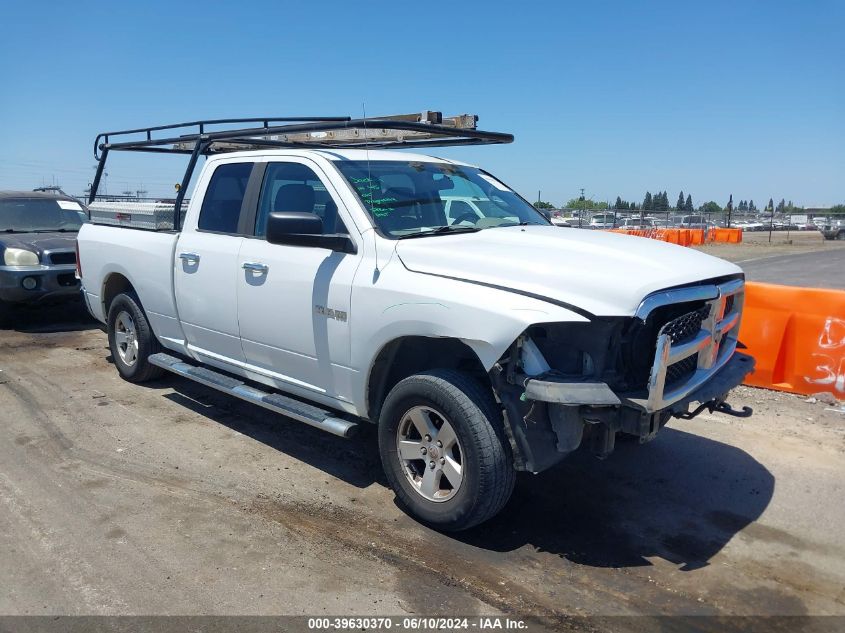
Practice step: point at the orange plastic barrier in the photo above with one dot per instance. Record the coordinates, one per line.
(671, 235)
(696, 236)
(686, 237)
(731, 236)
(797, 336)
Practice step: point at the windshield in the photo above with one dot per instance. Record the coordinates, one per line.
(416, 198)
(26, 215)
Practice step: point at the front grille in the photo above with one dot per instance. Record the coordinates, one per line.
(681, 321)
(60, 258)
(681, 370)
(686, 327)
(694, 342)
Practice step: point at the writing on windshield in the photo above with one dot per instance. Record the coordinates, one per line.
(370, 192)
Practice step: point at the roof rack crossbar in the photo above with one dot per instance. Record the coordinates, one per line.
(201, 125)
(445, 130)
(243, 135)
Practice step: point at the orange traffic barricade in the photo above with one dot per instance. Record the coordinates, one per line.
(797, 336)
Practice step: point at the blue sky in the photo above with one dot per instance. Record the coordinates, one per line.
(713, 98)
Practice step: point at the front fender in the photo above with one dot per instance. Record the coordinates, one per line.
(487, 320)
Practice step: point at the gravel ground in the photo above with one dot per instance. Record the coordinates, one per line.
(171, 498)
(756, 245)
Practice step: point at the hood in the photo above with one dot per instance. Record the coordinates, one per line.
(38, 242)
(605, 274)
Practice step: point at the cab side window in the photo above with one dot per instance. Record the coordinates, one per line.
(221, 206)
(295, 188)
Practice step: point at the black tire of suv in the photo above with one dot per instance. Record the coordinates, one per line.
(141, 370)
(489, 475)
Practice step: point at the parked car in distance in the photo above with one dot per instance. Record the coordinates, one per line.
(637, 223)
(570, 221)
(833, 229)
(750, 226)
(694, 222)
(469, 210)
(37, 248)
(603, 221)
(480, 342)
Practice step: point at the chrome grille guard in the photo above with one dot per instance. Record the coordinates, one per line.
(715, 343)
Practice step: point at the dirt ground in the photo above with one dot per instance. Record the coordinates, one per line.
(756, 245)
(170, 498)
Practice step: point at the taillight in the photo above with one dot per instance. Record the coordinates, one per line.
(78, 263)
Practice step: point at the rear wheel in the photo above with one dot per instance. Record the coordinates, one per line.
(131, 340)
(444, 451)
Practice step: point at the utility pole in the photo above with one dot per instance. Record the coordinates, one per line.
(583, 208)
(771, 209)
(730, 210)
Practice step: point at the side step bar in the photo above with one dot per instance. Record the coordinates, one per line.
(300, 411)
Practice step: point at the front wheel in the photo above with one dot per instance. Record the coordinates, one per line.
(131, 340)
(444, 451)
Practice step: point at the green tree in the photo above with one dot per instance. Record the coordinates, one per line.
(688, 204)
(781, 206)
(647, 202)
(585, 203)
(751, 206)
(543, 205)
(680, 204)
(771, 206)
(837, 209)
(710, 207)
(618, 204)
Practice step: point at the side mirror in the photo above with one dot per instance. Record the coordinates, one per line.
(304, 229)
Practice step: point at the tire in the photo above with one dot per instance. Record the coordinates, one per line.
(474, 457)
(131, 340)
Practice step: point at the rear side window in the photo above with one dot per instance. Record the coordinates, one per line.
(221, 206)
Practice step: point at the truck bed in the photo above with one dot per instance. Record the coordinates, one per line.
(143, 258)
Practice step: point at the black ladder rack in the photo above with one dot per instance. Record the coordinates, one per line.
(424, 129)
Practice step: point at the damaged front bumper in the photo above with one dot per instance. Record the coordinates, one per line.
(548, 419)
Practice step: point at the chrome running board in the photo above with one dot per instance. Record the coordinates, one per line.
(276, 402)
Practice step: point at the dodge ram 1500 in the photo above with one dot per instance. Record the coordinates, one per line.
(329, 283)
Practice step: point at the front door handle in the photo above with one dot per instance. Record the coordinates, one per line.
(256, 267)
(189, 257)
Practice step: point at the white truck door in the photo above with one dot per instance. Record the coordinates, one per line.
(294, 301)
(206, 268)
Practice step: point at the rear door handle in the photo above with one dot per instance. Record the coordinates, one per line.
(256, 267)
(189, 257)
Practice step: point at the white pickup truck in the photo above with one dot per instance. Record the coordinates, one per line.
(328, 283)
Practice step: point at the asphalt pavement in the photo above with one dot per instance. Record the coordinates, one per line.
(819, 269)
